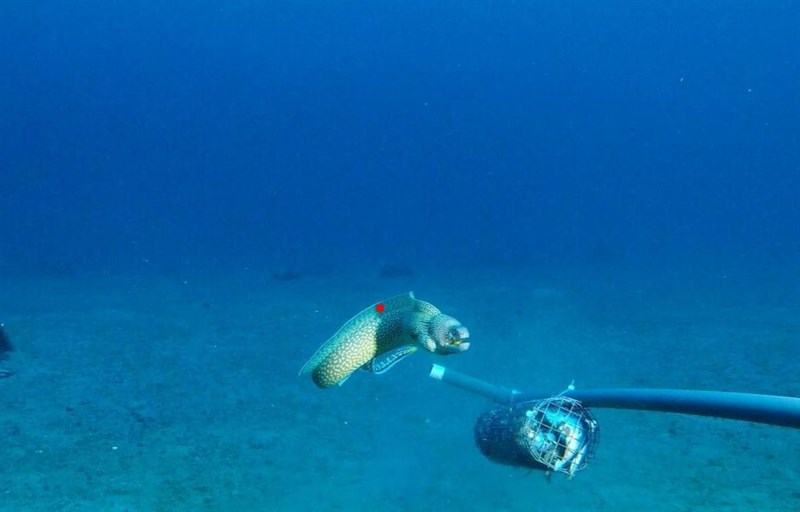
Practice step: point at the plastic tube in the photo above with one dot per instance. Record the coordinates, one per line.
(497, 394)
(773, 410)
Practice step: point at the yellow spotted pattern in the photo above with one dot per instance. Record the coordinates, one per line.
(365, 336)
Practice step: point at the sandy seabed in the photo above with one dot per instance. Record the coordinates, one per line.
(164, 393)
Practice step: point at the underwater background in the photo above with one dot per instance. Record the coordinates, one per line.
(195, 195)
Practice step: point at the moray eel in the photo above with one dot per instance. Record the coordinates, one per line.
(382, 335)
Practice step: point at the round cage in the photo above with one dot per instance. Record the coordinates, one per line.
(559, 433)
(556, 435)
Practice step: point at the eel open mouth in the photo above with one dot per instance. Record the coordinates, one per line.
(456, 340)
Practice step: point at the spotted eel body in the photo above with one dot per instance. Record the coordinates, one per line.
(401, 321)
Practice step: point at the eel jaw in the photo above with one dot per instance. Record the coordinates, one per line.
(451, 337)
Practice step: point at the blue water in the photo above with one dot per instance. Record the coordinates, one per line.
(249, 134)
(621, 176)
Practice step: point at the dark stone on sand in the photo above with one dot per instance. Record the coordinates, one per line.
(5, 342)
(287, 275)
(392, 271)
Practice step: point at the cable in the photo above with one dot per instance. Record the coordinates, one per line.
(768, 409)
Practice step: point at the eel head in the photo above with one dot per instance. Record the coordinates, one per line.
(445, 335)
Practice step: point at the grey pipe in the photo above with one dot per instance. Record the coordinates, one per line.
(782, 411)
